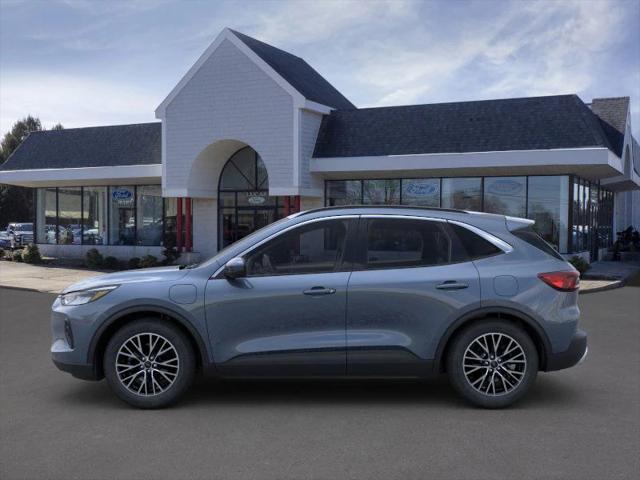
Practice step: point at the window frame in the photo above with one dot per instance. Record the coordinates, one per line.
(361, 264)
(344, 266)
(360, 260)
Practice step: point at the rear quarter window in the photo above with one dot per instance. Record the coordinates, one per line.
(532, 238)
(470, 246)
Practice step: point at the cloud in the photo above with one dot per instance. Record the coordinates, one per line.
(297, 22)
(73, 101)
(533, 48)
(376, 52)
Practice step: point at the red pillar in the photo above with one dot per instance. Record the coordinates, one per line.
(287, 206)
(188, 241)
(179, 224)
(296, 201)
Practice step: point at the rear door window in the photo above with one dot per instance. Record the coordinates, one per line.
(403, 243)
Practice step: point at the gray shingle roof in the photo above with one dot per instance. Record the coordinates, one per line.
(533, 123)
(612, 113)
(115, 145)
(298, 73)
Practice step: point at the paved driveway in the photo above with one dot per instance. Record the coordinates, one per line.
(583, 423)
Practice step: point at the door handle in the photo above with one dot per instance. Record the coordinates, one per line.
(317, 291)
(451, 285)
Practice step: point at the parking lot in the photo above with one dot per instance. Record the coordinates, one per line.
(581, 423)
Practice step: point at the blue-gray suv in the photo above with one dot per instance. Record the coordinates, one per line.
(341, 292)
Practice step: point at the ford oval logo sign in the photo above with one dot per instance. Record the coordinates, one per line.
(256, 200)
(506, 187)
(422, 189)
(121, 194)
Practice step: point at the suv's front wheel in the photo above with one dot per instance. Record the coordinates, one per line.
(492, 363)
(149, 363)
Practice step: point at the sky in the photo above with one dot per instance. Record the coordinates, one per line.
(86, 63)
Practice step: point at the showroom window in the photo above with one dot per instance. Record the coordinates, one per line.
(545, 199)
(506, 195)
(69, 218)
(118, 215)
(462, 193)
(548, 205)
(421, 191)
(344, 192)
(94, 215)
(149, 215)
(46, 215)
(122, 216)
(381, 192)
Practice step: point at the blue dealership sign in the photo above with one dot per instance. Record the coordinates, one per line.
(422, 189)
(505, 187)
(122, 196)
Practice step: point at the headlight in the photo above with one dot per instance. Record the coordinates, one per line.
(85, 296)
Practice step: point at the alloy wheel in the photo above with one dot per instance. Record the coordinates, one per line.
(147, 364)
(494, 364)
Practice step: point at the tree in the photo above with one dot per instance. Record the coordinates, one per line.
(16, 203)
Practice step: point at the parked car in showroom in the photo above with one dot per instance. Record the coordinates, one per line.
(19, 234)
(341, 292)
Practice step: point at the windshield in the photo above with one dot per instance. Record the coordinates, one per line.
(23, 227)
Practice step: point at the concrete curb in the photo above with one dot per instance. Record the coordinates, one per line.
(612, 286)
(29, 289)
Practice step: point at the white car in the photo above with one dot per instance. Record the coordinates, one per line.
(19, 234)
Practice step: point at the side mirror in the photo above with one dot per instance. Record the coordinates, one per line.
(235, 268)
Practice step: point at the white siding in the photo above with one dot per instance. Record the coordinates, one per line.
(229, 97)
(309, 126)
(205, 226)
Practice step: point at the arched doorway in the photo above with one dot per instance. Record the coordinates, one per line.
(244, 204)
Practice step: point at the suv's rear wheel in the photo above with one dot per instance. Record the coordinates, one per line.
(492, 363)
(149, 363)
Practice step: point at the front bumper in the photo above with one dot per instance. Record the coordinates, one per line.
(573, 355)
(83, 372)
(71, 333)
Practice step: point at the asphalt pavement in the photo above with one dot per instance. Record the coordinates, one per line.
(581, 423)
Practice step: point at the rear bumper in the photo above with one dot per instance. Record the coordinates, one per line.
(576, 352)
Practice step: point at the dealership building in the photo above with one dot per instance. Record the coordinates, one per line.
(252, 133)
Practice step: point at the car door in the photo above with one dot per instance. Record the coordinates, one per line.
(409, 283)
(287, 316)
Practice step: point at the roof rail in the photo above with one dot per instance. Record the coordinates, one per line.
(399, 207)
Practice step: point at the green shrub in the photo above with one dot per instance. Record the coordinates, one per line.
(110, 263)
(579, 263)
(94, 258)
(31, 254)
(17, 256)
(148, 261)
(170, 252)
(1, 253)
(134, 263)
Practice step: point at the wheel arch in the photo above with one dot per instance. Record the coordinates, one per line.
(531, 326)
(116, 321)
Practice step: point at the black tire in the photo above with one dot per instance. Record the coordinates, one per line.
(151, 328)
(502, 395)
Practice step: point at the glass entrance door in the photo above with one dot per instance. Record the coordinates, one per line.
(244, 204)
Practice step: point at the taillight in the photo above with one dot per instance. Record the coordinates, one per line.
(563, 281)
